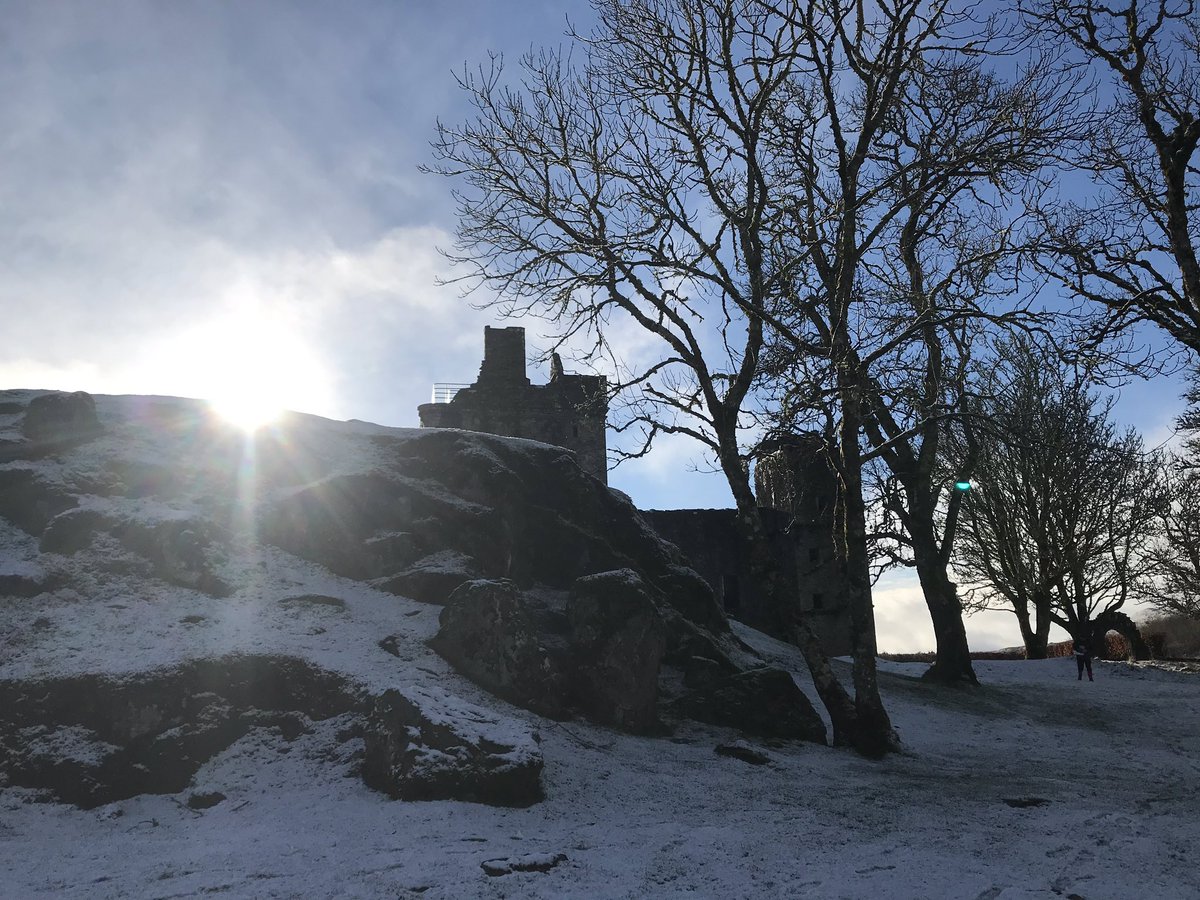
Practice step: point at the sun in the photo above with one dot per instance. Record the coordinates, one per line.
(248, 411)
(249, 366)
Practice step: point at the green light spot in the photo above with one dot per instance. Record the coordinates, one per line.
(962, 485)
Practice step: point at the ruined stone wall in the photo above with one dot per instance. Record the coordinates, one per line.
(709, 540)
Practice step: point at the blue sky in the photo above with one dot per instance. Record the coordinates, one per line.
(198, 196)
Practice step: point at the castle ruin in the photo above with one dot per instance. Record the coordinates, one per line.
(570, 411)
(794, 485)
(796, 491)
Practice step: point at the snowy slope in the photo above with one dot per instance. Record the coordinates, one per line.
(1036, 785)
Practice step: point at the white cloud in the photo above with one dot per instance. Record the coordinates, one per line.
(902, 623)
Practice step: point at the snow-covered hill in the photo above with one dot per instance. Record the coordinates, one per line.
(1036, 785)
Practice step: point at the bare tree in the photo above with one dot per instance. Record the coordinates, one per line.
(635, 188)
(1189, 421)
(1176, 555)
(1060, 524)
(913, 164)
(1133, 248)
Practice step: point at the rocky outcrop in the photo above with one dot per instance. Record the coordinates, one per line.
(556, 597)
(428, 745)
(502, 508)
(92, 740)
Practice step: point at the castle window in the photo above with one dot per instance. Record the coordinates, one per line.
(575, 430)
(818, 600)
(814, 554)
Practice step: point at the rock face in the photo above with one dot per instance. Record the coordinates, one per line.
(91, 740)
(762, 701)
(596, 650)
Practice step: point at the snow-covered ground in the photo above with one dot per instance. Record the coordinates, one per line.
(1036, 785)
(1115, 766)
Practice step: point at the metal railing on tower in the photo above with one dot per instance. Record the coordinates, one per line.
(444, 391)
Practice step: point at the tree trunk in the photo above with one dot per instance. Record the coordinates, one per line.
(953, 662)
(1043, 619)
(1035, 643)
(876, 736)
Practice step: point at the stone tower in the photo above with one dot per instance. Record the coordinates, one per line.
(794, 477)
(570, 411)
(796, 491)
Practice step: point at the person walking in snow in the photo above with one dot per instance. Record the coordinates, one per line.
(1083, 659)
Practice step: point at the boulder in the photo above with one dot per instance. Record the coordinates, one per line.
(24, 579)
(61, 418)
(428, 745)
(313, 600)
(21, 586)
(392, 551)
(686, 641)
(29, 501)
(72, 762)
(528, 862)
(743, 751)
(764, 702)
(692, 597)
(72, 530)
(617, 640)
(490, 633)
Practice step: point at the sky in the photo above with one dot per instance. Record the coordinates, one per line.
(222, 199)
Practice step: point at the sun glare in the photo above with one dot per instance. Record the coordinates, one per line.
(248, 412)
(248, 365)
